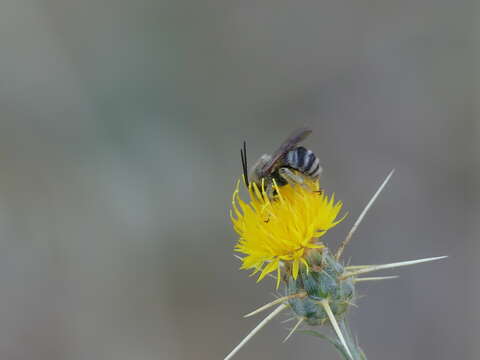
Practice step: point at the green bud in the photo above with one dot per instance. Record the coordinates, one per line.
(322, 280)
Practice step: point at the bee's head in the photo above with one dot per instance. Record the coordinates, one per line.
(256, 174)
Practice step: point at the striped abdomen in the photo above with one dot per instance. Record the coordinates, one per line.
(303, 160)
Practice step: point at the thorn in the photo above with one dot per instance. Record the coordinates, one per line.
(288, 320)
(293, 330)
(350, 303)
(335, 326)
(348, 262)
(388, 266)
(355, 267)
(274, 302)
(374, 278)
(276, 296)
(361, 216)
(264, 322)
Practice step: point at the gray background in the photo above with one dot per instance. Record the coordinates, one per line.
(120, 127)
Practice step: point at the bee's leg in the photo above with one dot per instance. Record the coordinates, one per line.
(270, 191)
(290, 176)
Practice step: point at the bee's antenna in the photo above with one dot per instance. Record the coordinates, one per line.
(243, 155)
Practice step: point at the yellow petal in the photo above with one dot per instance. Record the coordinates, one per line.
(268, 269)
(278, 277)
(295, 269)
(281, 228)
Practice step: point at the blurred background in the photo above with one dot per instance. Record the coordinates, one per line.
(120, 128)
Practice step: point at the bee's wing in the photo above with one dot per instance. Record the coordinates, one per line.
(289, 144)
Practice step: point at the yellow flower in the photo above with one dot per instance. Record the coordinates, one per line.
(279, 231)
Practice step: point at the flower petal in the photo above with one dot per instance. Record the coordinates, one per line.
(268, 269)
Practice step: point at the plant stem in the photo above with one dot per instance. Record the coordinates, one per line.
(356, 352)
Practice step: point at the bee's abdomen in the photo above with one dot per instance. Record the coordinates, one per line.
(304, 160)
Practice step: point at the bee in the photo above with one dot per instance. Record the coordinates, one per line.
(287, 165)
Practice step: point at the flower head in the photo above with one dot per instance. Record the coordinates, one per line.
(283, 233)
(280, 231)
